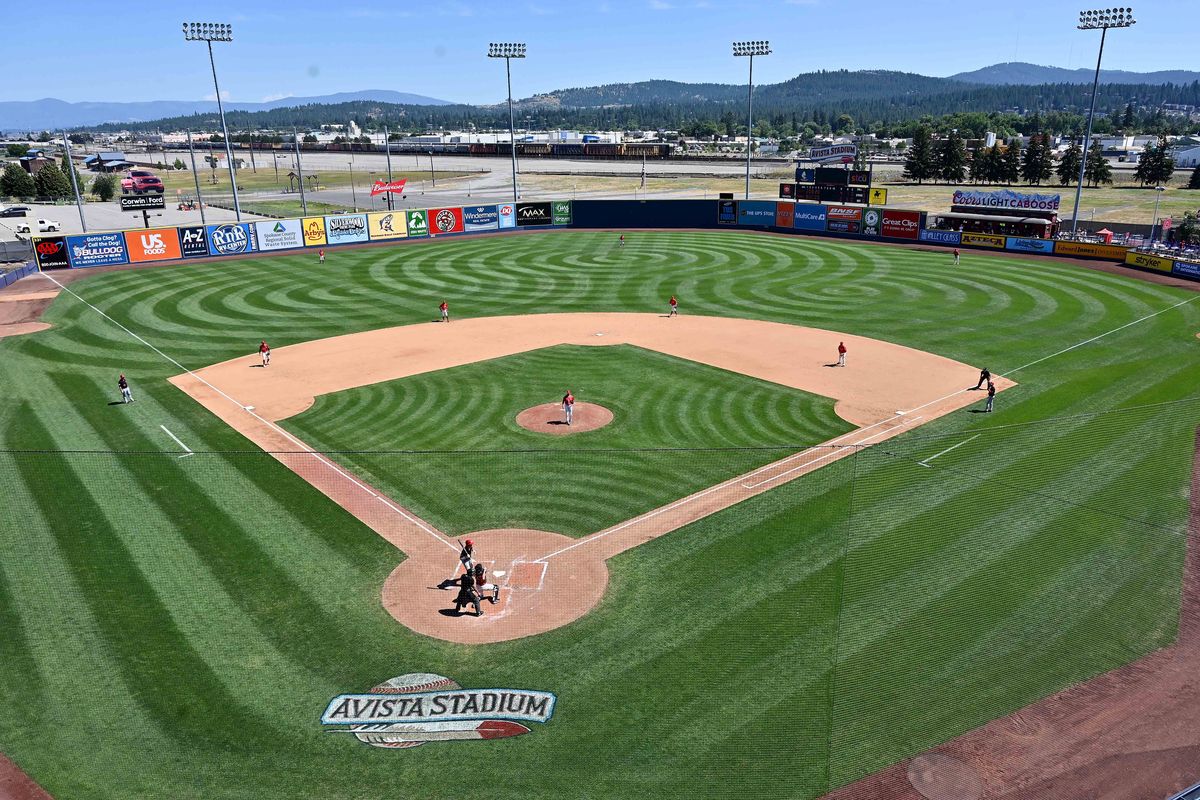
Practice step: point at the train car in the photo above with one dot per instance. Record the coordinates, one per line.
(656, 150)
(480, 149)
(604, 150)
(565, 150)
(533, 149)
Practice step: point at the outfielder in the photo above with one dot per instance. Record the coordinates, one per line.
(126, 394)
(841, 362)
(264, 350)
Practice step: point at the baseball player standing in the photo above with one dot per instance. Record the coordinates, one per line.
(956, 256)
(674, 307)
(568, 405)
(991, 396)
(467, 595)
(321, 256)
(985, 376)
(264, 351)
(445, 309)
(126, 394)
(841, 362)
(482, 586)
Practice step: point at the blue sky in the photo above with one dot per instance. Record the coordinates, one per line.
(438, 48)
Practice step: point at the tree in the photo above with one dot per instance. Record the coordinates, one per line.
(919, 166)
(44, 137)
(1068, 167)
(104, 187)
(67, 168)
(1194, 183)
(179, 164)
(1010, 163)
(843, 124)
(1037, 165)
(16, 182)
(1098, 170)
(952, 159)
(17, 150)
(1127, 119)
(1188, 231)
(51, 182)
(309, 139)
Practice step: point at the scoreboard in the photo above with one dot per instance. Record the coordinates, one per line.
(819, 193)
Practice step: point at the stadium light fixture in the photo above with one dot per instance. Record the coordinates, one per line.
(1097, 19)
(508, 51)
(759, 47)
(209, 32)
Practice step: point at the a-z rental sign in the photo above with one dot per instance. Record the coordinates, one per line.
(1006, 198)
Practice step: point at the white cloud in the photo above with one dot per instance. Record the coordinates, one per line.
(212, 97)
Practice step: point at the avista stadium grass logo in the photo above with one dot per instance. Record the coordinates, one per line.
(421, 707)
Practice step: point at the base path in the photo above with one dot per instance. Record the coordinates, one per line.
(549, 579)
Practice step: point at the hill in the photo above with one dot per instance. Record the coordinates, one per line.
(1020, 72)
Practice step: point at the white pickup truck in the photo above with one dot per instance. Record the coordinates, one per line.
(43, 226)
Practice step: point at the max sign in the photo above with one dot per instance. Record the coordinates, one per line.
(384, 187)
(421, 707)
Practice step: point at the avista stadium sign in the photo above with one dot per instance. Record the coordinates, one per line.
(1007, 199)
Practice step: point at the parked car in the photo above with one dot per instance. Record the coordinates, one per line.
(141, 181)
(43, 226)
(14, 211)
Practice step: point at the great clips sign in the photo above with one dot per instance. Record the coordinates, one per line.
(901, 224)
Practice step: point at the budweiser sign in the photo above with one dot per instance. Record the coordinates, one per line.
(383, 187)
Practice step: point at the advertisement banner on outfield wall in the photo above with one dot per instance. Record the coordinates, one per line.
(843, 219)
(346, 228)
(984, 240)
(809, 218)
(941, 237)
(445, 220)
(230, 239)
(1186, 269)
(1090, 250)
(1030, 245)
(51, 252)
(870, 221)
(756, 212)
(417, 221)
(533, 214)
(785, 215)
(727, 212)
(1006, 198)
(314, 231)
(193, 241)
(156, 244)
(480, 218)
(386, 225)
(507, 214)
(280, 234)
(560, 212)
(1148, 261)
(96, 250)
(901, 224)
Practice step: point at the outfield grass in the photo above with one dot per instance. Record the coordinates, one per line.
(174, 627)
(657, 401)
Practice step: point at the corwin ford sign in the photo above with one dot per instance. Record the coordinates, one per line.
(96, 250)
(1030, 245)
(756, 212)
(480, 218)
(230, 239)
(941, 237)
(809, 218)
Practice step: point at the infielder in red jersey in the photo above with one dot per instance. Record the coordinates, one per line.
(674, 307)
(841, 362)
(568, 406)
(264, 351)
(445, 309)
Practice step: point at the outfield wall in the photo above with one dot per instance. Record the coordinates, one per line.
(863, 223)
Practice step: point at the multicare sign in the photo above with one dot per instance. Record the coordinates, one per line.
(96, 250)
(480, 218)
(386, 225)
(230, 239)
(158, 244)
(507, 214)
(346, 229)
(445, 220)
(1006, 198)
(809, 218)
(51, 253)
(901, 224)
(417, 222)
(282, 234)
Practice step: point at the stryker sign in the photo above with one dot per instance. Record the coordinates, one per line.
(1006, 198)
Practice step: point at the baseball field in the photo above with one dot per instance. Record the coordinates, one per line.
(879, 569)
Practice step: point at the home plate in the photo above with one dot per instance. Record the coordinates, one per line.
(499, 573)
(249, 408)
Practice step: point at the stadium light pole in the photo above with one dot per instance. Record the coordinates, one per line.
(1101, 19)
(509, 51)
(1158, 190)
(209, 32)
(750, 50)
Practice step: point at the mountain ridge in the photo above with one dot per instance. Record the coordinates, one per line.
(1023, 72)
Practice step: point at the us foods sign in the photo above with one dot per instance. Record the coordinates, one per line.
(410, 710)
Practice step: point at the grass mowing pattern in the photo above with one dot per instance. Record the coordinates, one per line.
(172, 628)
(656, 400)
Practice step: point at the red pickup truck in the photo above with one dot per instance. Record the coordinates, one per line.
(141, 181)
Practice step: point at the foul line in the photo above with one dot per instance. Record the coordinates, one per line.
(925, 463)
(249, 410)
(181, 444)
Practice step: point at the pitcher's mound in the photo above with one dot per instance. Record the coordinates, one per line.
(548, 418)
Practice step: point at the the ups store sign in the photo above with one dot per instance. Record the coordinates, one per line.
(533, 214)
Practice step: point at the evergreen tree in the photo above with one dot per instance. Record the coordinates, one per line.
(1155, 167)
(51, 182)
(952, 159)
(1193, 183)
(919, 166)
(1036, 166)
(1127, 120)
(1188, 231)
(978, 166)
(16, 182)
(1098, 170)
(1010, 171)
(65, 165)
(1068, 167)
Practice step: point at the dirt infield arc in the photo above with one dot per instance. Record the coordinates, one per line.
(550, 579)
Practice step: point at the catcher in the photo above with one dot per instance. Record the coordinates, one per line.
(482, 586)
